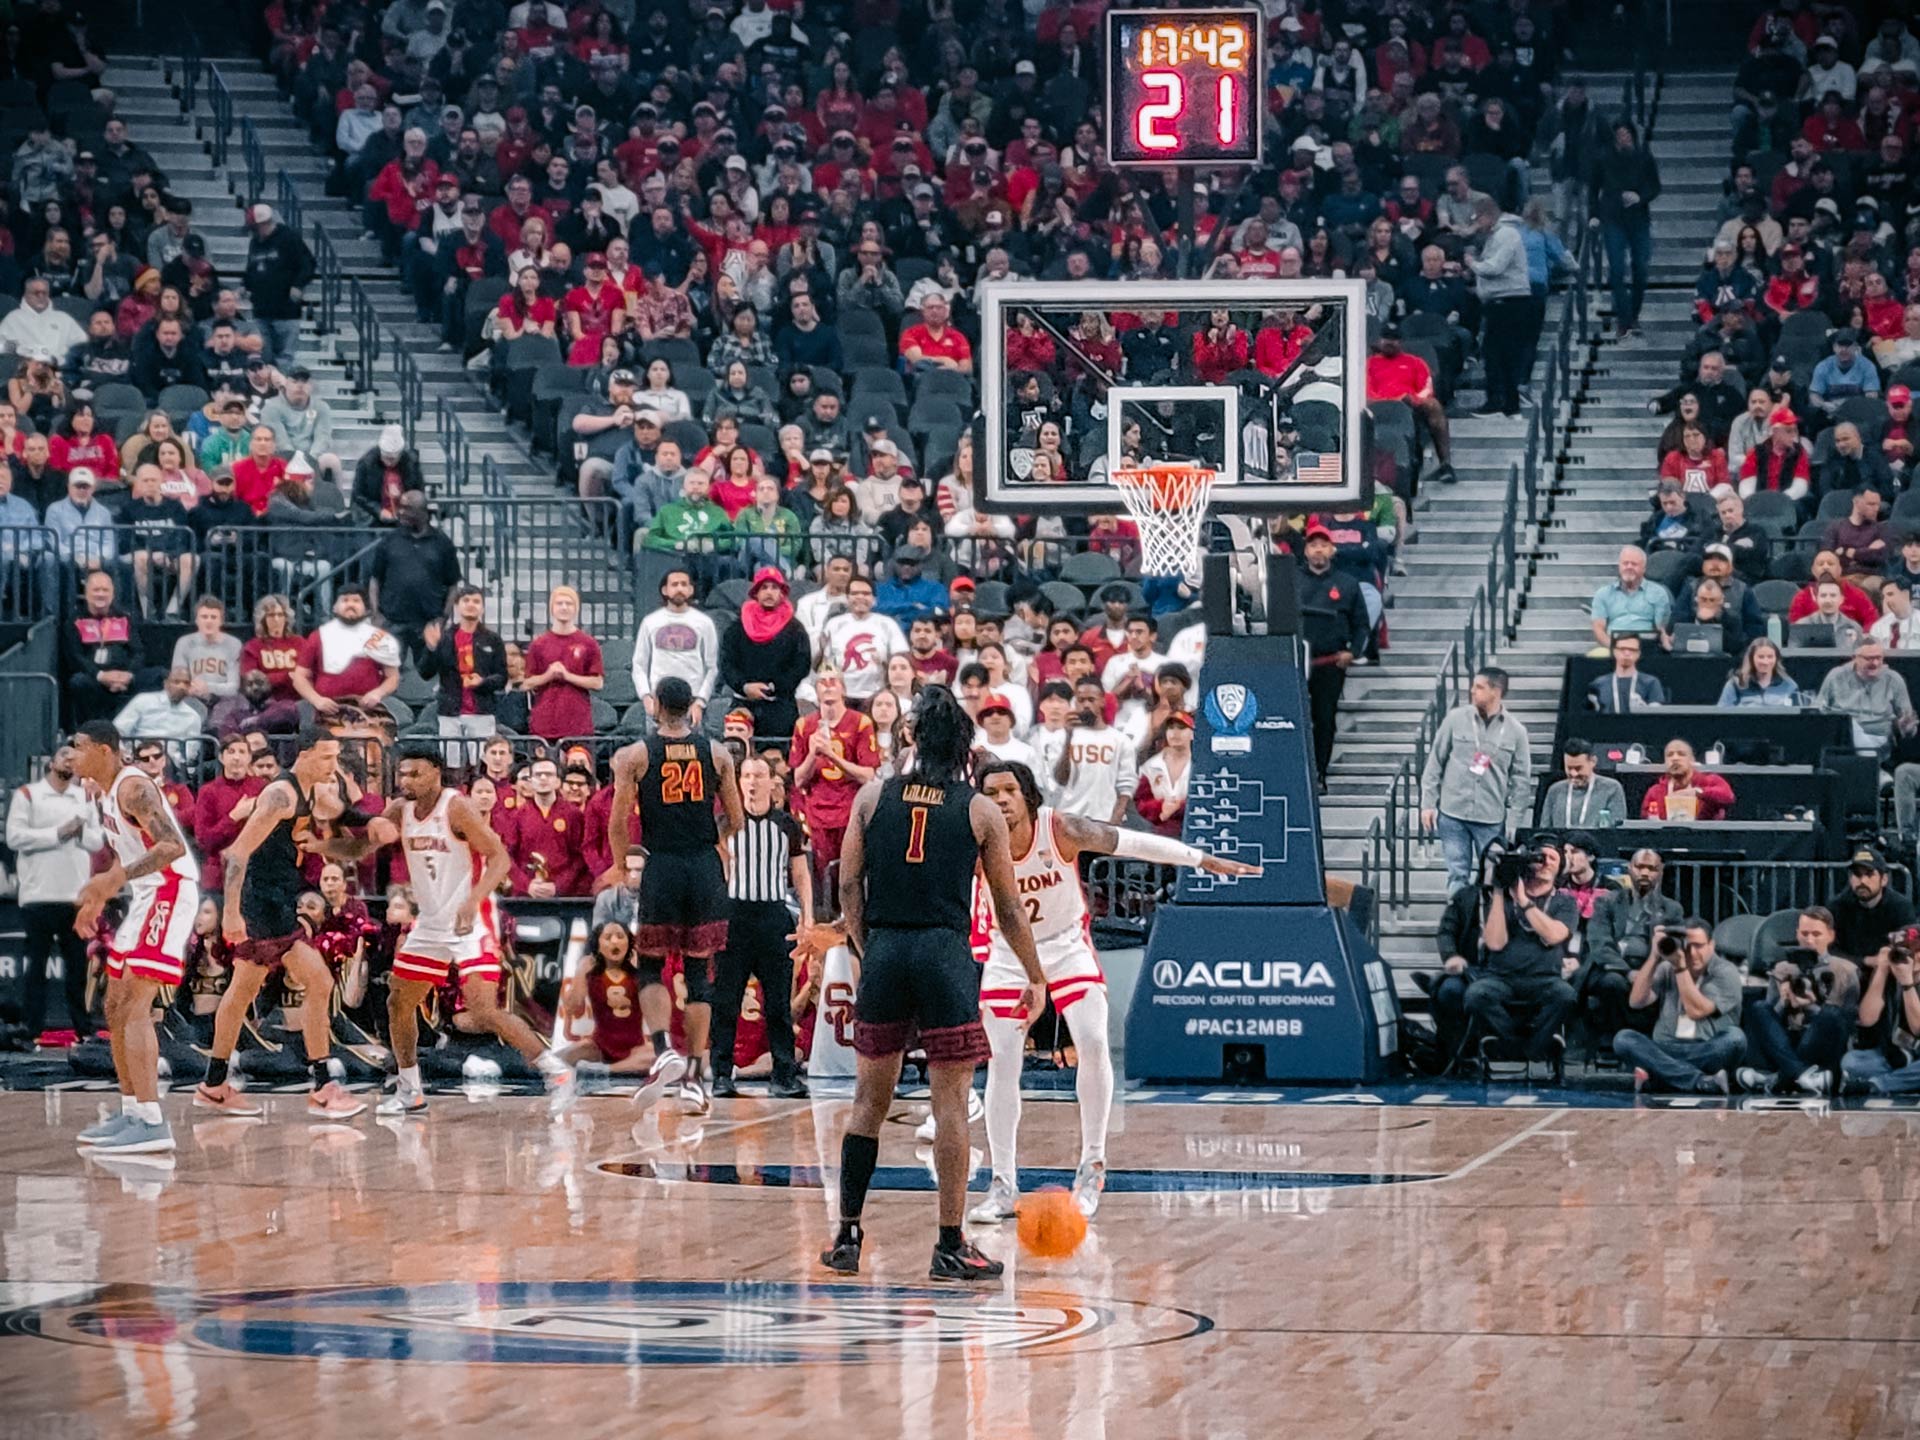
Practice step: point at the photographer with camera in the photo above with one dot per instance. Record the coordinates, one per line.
(1619, 939)
(1697, 1035)
(1800, 1032)
(1881, 1061)
(1525, 930)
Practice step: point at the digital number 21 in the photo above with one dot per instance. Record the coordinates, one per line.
(1155, 123)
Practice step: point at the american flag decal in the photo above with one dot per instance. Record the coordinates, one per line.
(1316, 467)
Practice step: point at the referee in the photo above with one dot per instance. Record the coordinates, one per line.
(769, 862)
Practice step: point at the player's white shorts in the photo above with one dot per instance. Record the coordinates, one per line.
(151, 942)
(1069, 961)
(424, 955)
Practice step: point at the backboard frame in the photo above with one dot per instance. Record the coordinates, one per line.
(998, 492)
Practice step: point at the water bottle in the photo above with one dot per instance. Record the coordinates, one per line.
(1606, 817)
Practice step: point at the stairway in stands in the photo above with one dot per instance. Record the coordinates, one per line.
(1602, 470)
(364, 403)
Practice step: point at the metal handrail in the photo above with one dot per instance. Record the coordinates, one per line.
(293, 209)
(220, 100)
(366, 326)
(192, 67)
(328, 275)
(454, 445)
(254, 160)
(413, 389)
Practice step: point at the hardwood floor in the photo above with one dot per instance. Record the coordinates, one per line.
(1315, 1270)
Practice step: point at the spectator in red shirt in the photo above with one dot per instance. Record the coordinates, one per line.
(549, 839)
(349, 660)
(593, 311)
(1830, 127)
(931, 661)
(1855, 603)
(834, 753)
(257, 472)
(933, 344)
(1108, 638)
(1029, 348)
(564, 671)
(506, 220)
(222, 808)
(1219, 349)
(1280, 341)
(1780, 464)
(1393, 374)
(1698, 465)
(274, 649)
(1711, 795)
(523, 310)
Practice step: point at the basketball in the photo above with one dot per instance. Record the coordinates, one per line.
(1051, 1225)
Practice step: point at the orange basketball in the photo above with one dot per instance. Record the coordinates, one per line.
(1051, 1225)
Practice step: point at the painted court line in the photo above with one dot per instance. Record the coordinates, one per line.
(1507, 1144)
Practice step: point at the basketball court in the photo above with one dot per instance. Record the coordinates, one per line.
(1329, 1269)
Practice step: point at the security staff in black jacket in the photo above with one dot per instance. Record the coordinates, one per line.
(1333, 618)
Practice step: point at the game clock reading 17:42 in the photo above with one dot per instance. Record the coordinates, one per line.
(1184, 87)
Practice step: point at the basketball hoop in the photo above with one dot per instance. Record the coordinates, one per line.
(1168, 503)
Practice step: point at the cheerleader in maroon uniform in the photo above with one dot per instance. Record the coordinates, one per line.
(609, 991)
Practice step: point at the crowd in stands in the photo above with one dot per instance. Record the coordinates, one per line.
(1779, 534)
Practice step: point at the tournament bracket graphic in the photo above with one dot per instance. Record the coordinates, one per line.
(1259, 966)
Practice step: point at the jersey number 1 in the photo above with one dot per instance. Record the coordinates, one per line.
(917, 835)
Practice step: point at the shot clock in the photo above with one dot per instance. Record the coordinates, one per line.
(1184, 87)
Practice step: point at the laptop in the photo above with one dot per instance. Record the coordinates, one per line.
(1813, 635)
(1691, 638)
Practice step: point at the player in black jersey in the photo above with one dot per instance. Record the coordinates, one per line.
(906, 888)
(674, 777)
(260, 921)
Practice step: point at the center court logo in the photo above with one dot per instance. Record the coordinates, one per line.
(601, 1323)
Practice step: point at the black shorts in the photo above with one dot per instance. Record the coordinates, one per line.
(923, 981)
(683, 904)
(696, 970)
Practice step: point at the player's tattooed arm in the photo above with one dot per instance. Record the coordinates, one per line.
(142, 802)
(348, 849)
(733, 813)
(1079, 835)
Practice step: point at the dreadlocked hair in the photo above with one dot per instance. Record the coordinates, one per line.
(942, 735)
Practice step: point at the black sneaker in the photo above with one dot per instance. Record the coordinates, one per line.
(843, 1256)
(966, 1263)
(723, 1088)
(794, 1089)
(1444, 474)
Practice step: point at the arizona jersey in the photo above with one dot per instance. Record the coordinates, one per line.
(1050, 891)
(131, 843)
(441, 866)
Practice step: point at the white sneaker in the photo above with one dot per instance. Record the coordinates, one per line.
(102, 1129)
(562, 1090)
(402, 1102)
(1088, 1183)
(976, 1110)
(691, 1096)
(1754, 1082)
(998, 1207)
(137, 1137)
(1813, 1080)
(669, 1067)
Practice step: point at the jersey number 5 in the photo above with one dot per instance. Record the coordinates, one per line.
(917, 835)
(682, 780)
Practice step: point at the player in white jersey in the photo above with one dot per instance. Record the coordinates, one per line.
(149, 949)
(455, 863)
(1046, 845)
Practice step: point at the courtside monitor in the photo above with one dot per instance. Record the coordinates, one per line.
(1261, 382)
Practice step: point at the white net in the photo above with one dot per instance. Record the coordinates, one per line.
(1169, 504)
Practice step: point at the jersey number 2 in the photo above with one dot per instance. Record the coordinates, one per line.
(682, 780)
(917, 835)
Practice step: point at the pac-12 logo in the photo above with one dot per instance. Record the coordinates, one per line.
(603, 1323)
(1232, 711)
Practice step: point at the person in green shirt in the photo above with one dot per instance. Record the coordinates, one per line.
(776, 530)
(696, 528)
(229, 442)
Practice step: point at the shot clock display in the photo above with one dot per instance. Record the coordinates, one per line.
(1184, 87)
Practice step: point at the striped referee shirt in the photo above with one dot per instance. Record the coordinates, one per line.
(762, 854)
